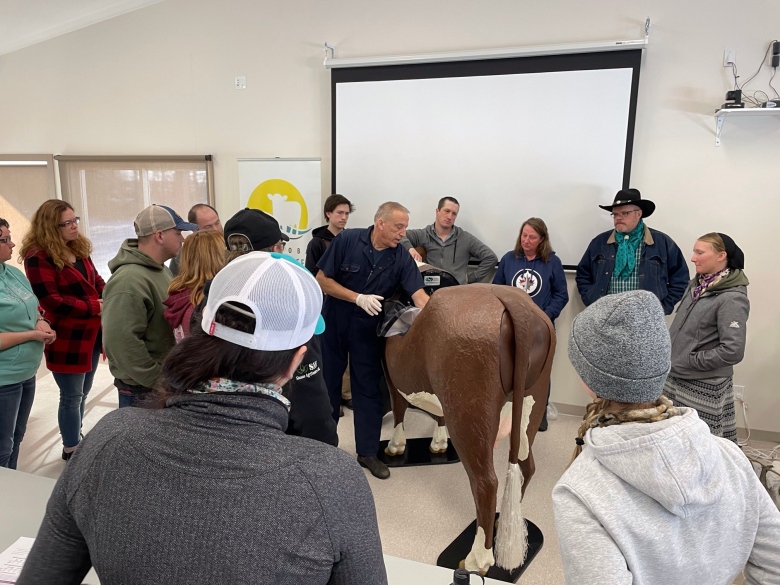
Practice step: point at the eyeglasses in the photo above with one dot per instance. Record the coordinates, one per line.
(70, 222)
(5, 240)
(623, 213)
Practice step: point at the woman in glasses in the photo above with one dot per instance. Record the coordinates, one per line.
(23, 333)
(69, 288)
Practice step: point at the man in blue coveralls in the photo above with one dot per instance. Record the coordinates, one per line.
(358, 270)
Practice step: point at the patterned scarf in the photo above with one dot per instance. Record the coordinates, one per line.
(707, 280)
(625, 260)
(225, 385)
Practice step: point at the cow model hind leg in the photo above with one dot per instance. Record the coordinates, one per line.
(473, 433)
(439, 441)
(397, 445)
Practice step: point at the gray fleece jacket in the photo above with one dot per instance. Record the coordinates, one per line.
(208, 490)
(454, 253)
(665, 503)
(708, 335)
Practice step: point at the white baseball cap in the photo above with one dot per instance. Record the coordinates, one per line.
(284, 299)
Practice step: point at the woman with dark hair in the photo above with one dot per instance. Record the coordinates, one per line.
(708, 334)
(651, 496)
(69, 288)
(23, 333)
(533, 267)
(207, 487)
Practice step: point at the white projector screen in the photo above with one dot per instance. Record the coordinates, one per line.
(551, 142)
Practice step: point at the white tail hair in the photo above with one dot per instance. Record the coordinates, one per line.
(512, 537)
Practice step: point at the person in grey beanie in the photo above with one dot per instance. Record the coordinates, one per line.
(651, 497)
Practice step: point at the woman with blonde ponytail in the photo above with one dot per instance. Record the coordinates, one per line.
(651, 497)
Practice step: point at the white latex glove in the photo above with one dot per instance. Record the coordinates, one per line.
(370, 303)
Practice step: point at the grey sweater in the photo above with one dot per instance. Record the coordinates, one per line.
(208, 490)
(454, 253)
(664, 503)
(708, 335)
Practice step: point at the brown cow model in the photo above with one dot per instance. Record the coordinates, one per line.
(474, 347)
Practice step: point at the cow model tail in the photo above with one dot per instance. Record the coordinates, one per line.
(511, 544)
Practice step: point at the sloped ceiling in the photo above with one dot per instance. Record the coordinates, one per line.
(27, 22)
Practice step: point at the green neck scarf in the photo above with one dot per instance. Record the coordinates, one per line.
(625, 259)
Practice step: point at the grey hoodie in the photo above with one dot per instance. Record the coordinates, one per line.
(663, 503)
(454, 253)
(708, 335)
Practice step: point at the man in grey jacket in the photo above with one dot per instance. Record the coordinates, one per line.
(450, 248)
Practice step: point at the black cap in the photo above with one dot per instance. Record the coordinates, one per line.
(261, 229)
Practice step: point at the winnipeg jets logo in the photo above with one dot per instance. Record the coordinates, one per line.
(528, 280)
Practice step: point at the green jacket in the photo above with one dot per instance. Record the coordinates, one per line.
(136, 336)
(18, 312)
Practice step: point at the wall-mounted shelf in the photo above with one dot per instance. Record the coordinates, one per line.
(721, 115)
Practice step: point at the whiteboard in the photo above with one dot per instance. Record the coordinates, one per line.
(549, 144)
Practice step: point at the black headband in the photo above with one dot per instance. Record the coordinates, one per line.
(734, 254)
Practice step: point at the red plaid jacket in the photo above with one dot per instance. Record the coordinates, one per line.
(71, 304)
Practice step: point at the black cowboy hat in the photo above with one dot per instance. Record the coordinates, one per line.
(631, 197)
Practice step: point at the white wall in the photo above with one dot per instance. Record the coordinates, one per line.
(159, 81)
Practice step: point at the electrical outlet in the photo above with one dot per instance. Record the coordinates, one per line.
(739, 393)
(240, 82)
(729, 57)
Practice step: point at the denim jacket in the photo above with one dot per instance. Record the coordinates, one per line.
(662, 268)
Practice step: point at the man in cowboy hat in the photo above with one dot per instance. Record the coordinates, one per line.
(632, 256)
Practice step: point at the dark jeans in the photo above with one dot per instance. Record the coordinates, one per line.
(130, 394)
(73, 397)
(16, 401)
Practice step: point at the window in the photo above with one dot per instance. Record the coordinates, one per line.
(108, 192)
(26, 181)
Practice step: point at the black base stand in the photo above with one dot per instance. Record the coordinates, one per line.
(461, 546)
(417, 453)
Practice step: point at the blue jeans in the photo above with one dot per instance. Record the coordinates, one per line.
(16, 402)
(129, 394)
(73, 397)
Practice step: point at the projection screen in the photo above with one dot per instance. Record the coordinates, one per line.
(547, 137)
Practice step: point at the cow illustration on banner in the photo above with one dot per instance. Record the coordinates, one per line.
(287, 189)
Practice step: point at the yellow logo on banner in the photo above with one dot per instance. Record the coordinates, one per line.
(284, 202)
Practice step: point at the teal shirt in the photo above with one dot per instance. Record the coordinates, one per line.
(18, 312)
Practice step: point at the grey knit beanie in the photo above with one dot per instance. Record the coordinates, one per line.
(620, 347)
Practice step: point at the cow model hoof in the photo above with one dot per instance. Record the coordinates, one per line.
(391, 451)
(437, 450)
(462, 565)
